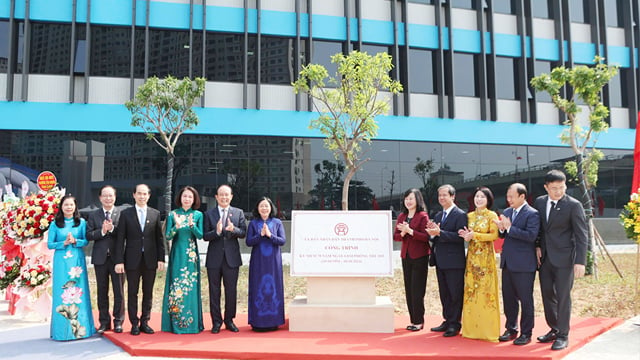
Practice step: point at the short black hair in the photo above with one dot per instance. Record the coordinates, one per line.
(519, 188)
(553, 176)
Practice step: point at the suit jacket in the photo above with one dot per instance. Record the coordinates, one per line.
(448, 247)
(130, 239)
(102, 245)
(225, 245)
(519, 249)
(416, 245)
(563, 238)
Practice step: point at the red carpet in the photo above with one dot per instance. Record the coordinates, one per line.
(283, 344)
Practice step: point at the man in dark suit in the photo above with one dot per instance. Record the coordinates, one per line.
(562, 254)
(519, 226)
(102, 229)
(140, 249)
(449, 258)
(223, 226)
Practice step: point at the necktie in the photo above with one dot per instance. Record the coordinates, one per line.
(513, 216)
(141, 217)
(553, 206)
(107, 216)
(224, 218)
(444, 217)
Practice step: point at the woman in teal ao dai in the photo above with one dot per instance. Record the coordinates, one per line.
(71, 317)
(182, 304)
(265, 234)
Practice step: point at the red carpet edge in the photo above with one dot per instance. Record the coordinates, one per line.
(285, 345)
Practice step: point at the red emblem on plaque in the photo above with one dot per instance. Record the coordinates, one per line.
(46, 180)
(341, 229)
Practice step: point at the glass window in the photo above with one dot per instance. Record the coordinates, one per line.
(542, 67)
(276, 63)
(464, 4)
(541, 9)
(465, 74)
(322, 53)
(197, 54)
(110, 51)
(139, 53)
(422, 72)
(618, 86)
(579, 11)
(49, 48)
(505, 79)
(614, 13)
(168, 53)
(504, 6)
(4, 45)
(225, 57)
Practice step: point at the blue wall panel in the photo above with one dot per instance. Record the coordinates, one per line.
(423, 36)
(466, 40)
(546, 49)
(116, 118)
(507, 45)
(278, 23)
(330, 27)
(377, 32)
(619, 55)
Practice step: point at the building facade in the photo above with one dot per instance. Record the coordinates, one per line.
(467, 112)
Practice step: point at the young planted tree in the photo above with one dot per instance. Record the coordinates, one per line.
(349, 105)
(585, 85)
(163, 109)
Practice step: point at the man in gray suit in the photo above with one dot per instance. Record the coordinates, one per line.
(561, 253)
(223, 226)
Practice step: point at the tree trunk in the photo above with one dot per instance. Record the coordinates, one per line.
(588, 211)
(345, 189)
(169, 184)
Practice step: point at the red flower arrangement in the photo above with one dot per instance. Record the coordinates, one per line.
(34, 275)
(9, 271)
(34, 215)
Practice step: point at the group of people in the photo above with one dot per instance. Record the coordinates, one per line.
(131, 244)
(549, 237)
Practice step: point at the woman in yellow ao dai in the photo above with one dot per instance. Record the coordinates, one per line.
(481, 306)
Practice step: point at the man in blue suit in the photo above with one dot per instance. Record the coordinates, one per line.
(449, 259)
(519, 226)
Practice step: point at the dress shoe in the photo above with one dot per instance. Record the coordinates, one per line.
(560, 344)
(135, 330)
(146, 329)
(103, 328)
(441, 328)
(231, 326)
(451, 332)
(548, 337)
(216, 328)
(415, 327)
(117, 329)
(508, 335)
(522, 340)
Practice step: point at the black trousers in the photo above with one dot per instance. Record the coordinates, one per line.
(555, 285)
(148, 277)
(517, 291)
(451, 289)
(104, 273)
(227, 276)
(415, 285)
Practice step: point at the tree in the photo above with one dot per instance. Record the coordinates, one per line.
(348, 111)
(328, 190)
(423, 169)
(162, 108)
(585, 85)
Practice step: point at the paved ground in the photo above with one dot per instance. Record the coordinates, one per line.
(26, 338)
